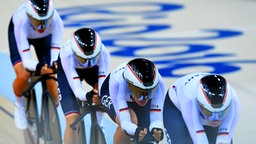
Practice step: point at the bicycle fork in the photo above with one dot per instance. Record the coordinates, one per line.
(44, 124)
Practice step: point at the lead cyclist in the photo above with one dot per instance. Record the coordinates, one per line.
(35, 24)
(201, 108)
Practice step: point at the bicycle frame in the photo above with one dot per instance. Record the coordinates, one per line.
(96, 133)
(43, 124)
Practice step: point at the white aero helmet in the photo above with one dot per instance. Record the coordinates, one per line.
(141, 73)
(142, 78)
(86, 43)
(213, 95)
(40, 13)
(40, 9)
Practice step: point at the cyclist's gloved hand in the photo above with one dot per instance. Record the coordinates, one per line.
(157, 134)
(140, 133)
(89, 95)
(39, 67)
(54, 66)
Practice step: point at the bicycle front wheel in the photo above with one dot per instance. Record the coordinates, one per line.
(97, 135)
(81, 133)
(50, 121)
(31, 133)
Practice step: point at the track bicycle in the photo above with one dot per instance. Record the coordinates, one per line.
(96, 133)
(46, 126)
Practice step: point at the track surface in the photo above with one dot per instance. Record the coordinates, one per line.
(195, 22)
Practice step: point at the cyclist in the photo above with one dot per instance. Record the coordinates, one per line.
(83, 57)
(36, 23)
(134, 94)
(201, 108)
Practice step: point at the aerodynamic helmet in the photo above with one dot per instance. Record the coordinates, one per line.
(142, 77)
(213, 96)
(40, 12)
(86, 43)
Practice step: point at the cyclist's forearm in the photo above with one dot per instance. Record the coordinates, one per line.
(30, 64)
(129, 127)
(54, 54)
(80, 94)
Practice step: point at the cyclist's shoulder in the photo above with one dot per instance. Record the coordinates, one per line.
(104, 52)
(20, 15)
(66, 49)
(119, 67)
(117, 72)
(104, 56)
(187, 81)
(20, 9)
(57, 20)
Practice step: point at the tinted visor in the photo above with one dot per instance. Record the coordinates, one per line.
(141, 94)
(213, 116)
(40, 24)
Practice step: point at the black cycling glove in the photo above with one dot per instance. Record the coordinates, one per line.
(158, 129)
(137, 132)
(89, 95)
(39, 67)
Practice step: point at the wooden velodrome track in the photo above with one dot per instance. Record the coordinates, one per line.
(187, 25)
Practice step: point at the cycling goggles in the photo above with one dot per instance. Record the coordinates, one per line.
(213, 116)
(40, 24)
(91, 62)
(141, 94)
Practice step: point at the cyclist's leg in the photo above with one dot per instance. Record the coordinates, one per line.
(20, 83)
(120, 137)
(53, 89)
(71, 136)
(43, 51)
(69, 105)
(176, 129)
